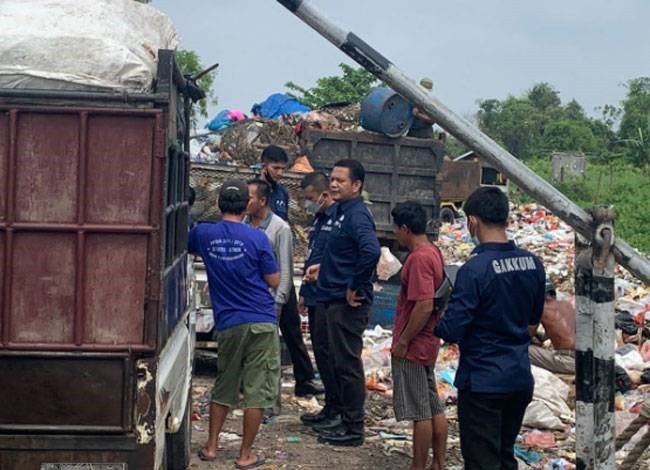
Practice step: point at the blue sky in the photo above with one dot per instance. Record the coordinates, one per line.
(472, 49)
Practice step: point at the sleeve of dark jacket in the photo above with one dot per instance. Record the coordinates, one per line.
(369, 250)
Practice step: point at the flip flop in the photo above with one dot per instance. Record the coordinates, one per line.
(205, 457)
(257, 464)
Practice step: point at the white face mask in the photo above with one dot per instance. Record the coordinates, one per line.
(313, 207)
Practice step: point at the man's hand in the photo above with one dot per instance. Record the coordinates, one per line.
(311, 273)
(399, 350)
(353, 299)
(302, 310)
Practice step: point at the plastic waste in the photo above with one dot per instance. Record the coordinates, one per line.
(629, 358)
(540, 439)
(388, 265)
(560, 464)
(528, 457)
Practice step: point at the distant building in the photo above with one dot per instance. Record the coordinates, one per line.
(567, 164)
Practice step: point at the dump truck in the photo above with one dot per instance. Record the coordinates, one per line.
(460, 177)
(96, 324)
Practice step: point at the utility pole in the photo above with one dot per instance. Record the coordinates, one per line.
(463, 130)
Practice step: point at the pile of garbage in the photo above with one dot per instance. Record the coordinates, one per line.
(234, 138)
(547, 439)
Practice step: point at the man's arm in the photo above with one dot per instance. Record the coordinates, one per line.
(420, 315)
(369, 252)
(461, 309)
(193, 241)
(273, 280)
(267, 264)
(285, 261)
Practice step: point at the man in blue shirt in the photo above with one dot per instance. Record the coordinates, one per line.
(345, 289)
(274, 163)
(241, 268)
(498, 295)
(319, 203)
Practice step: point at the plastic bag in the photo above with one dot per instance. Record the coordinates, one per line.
(540, 439)
(629, 358)
(388, 264)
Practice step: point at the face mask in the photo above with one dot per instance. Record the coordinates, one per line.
(313, 207)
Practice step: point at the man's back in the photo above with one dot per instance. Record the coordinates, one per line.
(499, 292)
(237, 258)
(559, 321)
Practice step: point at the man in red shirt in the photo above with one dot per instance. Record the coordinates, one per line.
(415, 349)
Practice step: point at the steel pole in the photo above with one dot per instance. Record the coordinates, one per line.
(463, 130)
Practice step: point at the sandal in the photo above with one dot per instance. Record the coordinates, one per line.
(257, 464)
(205, 457)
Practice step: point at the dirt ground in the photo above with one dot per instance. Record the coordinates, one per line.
(287, 444)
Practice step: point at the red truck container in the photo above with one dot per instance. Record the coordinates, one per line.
(96, 333)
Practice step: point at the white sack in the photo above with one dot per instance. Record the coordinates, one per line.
(81, 45)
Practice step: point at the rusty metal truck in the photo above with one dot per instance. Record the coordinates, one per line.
(96, 335)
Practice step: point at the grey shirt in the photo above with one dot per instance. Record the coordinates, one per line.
(281, 238)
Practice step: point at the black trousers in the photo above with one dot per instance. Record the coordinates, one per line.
(303, 370)
(489, 424)
(320, 344)
(345, 327)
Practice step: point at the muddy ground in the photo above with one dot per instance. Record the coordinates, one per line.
(287, 444)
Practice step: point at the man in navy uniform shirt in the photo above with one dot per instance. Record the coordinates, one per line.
(274, 163)
(497, 295)
(319, 203)
(345, 289)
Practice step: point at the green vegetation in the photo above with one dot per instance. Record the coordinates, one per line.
(190, 64)
(616, 145)
(351, 87)
(620, 185)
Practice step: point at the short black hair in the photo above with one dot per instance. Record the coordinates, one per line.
(317, 179)
(263, 189)
(233, 197)
(274, 154)
(488, 204)
(411, 214)
(357, 171)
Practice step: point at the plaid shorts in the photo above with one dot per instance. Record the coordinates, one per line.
(415, 396)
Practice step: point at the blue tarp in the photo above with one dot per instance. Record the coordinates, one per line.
(221, 121)
(277, 105)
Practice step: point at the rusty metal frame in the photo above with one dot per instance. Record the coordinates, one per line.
(127, 403)
(153, 259)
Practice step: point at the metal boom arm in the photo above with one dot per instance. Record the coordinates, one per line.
(464, 131)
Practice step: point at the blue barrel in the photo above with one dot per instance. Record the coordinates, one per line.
(383, 110)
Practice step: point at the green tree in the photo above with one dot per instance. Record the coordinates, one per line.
(514, 122)
(190, 64)
(636, 107)
(351, 87)
(568, 134)
(544, 97)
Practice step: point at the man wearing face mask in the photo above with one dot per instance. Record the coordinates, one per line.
(274, 163)
(498, 294)
(319, 203)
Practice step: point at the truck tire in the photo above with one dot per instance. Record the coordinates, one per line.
(177, 445)
(447, 215)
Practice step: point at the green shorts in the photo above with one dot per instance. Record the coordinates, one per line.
(248, 362)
